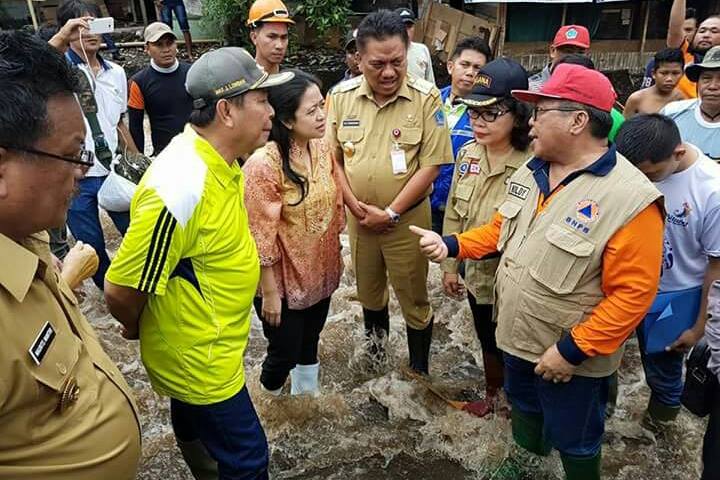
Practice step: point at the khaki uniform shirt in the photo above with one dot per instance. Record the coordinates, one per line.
(65, 409)
(475, 195)
(364, 134)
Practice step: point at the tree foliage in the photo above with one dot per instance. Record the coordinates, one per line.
(326, 15)
(227, 17)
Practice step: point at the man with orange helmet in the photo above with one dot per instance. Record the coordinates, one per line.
(268, 21)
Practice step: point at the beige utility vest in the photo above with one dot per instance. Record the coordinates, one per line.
(550, 273)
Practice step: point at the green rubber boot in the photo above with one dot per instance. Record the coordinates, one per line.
(201, 464)
(527, 430)
(581, 468)
(658, 415)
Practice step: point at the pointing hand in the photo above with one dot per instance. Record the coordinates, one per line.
(431, 244)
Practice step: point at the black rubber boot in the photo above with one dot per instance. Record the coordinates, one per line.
(419, 348)
(377, 326)
(581, 468)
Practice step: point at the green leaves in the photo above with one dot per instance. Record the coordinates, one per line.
(325, 15)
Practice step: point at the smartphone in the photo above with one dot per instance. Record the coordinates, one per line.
(98, 26)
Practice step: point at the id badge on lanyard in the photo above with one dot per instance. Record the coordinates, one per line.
(397, 157)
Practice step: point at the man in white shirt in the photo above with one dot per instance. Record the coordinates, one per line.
(109, 86)
(690, 183)
(419, 60)
(699, 118)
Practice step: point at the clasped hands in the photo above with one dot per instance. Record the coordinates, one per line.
(373, 218)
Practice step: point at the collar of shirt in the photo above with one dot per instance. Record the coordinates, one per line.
(76, 59)
(453, 112)
(22, 264)
(215, 162)
(160, 69)
(600, 167)
(403, 91)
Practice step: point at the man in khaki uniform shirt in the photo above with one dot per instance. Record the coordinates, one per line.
(389, 136)
(65, 409)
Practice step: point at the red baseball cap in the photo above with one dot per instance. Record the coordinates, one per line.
(576, 84)
(575, 35)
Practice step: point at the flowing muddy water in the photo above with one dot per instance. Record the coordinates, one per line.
(376, 423)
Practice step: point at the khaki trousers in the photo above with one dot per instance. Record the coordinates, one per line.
(395, 256)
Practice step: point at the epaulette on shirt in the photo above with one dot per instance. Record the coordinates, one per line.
(348, 85)
(472, 140)
(421, 85)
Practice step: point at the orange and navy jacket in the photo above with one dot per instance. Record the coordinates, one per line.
(630, 272)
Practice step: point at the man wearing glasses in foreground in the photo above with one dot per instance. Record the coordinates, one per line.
(66, 411)
(581, 237)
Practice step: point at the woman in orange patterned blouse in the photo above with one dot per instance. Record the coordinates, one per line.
(296, 216)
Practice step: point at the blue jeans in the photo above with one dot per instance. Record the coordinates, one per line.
(663, 373)
(230, 432)
(177, 6)
(573, 413)
(84, 222)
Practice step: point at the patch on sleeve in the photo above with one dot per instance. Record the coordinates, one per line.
(519, 191)
(440, 117)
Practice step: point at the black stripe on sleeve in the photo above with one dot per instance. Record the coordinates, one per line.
(168, 225)
(156, 231)
(163, 255)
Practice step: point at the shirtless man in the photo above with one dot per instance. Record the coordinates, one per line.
(667, 72)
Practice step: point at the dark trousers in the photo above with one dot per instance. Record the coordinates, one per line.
(84, 222)
(229, 430)
(178, 7)
(663, 373)
(711, 442)
(484, 326)
(573, 413)
(437, 217)
(293, 342)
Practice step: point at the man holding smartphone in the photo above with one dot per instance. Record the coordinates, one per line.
(105, 129)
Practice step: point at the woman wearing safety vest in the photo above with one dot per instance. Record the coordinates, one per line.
(484, 164)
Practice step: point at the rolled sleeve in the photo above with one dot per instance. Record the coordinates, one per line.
(263, 201)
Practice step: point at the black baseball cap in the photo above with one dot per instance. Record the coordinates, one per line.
(496, 81)
(406, 14)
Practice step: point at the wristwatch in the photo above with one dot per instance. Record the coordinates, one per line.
(394, 216)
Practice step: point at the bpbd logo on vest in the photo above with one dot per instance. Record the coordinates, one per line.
(586, 212)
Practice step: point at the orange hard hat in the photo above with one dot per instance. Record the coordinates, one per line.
(271, 11)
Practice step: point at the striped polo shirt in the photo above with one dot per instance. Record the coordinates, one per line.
(190, 250)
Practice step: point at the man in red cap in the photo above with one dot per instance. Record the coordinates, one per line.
(569, 39)
(581, 235)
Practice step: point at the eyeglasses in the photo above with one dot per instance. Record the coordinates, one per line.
(487, 115)
(86, 158)
(537, 110)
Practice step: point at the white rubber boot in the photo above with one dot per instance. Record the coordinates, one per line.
(304, 380)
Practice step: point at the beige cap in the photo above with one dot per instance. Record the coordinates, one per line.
(155, 32)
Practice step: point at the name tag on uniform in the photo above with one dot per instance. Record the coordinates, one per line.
(351, 122)
(42, 343)
(397, 157)
(519, 191)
